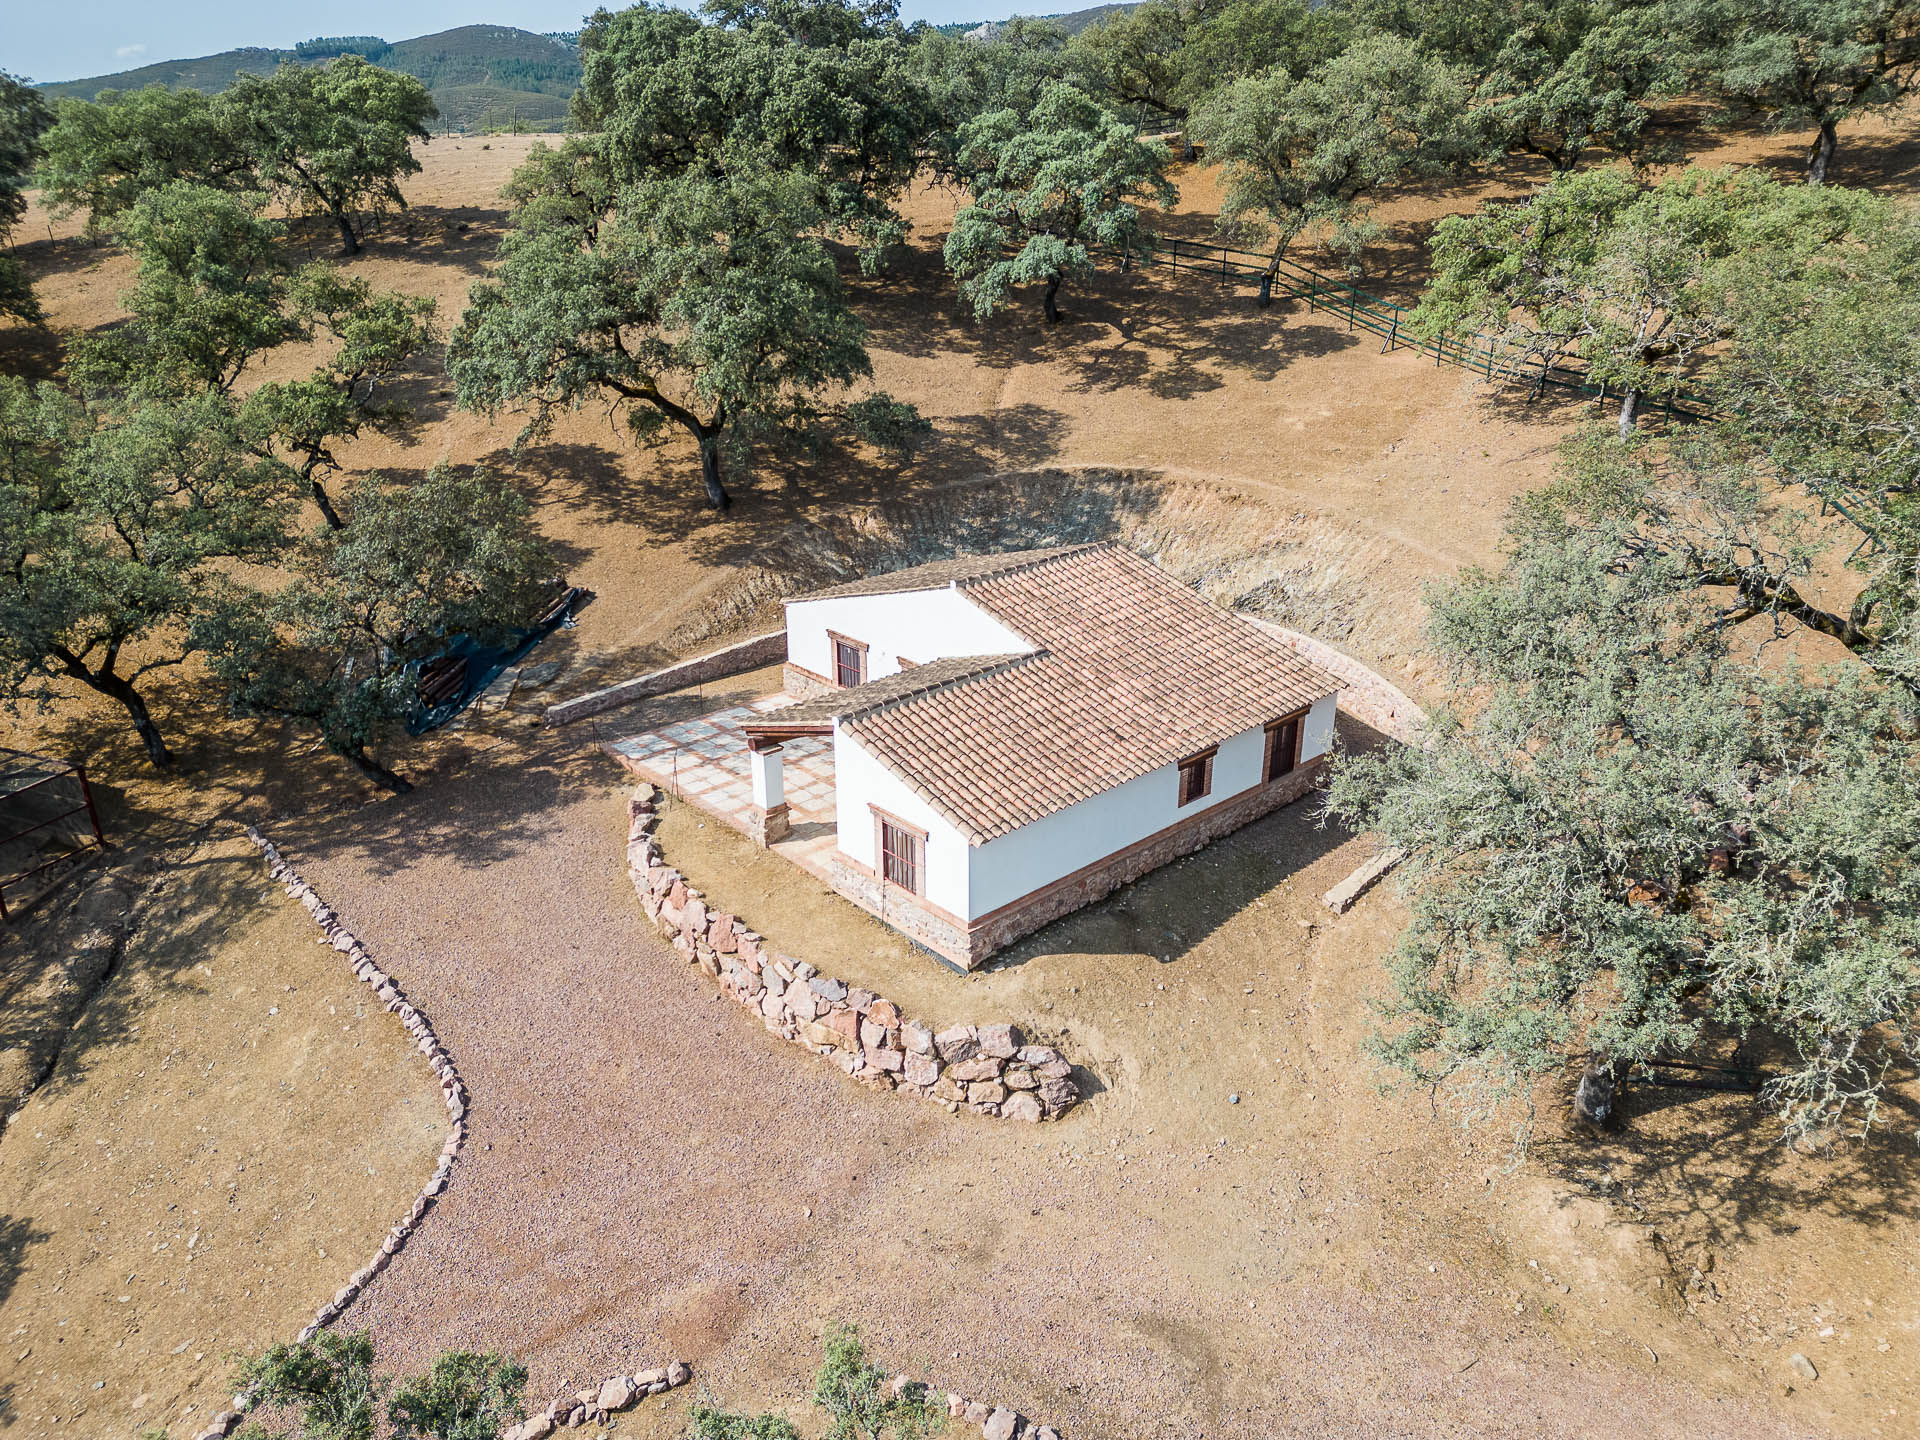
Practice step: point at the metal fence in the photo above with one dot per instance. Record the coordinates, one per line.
(1491, 356)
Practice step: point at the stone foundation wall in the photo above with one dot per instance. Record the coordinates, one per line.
(990, 1069)
(803, 684)
(943, 935)
(970, 946)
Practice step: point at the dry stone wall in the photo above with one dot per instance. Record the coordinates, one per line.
(452, 1090)
(989, 1069)
(595, 1403)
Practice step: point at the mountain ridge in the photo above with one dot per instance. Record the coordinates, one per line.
(481, 76)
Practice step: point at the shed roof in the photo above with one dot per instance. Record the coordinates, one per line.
(1131, 671)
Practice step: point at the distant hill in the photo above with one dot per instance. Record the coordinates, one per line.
(481, 76)
(1073, 22)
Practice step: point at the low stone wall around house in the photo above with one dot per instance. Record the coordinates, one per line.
(987, 1068)
(734, 659)
(1368, 696)
(597, 1402)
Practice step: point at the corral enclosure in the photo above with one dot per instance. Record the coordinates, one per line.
(47, 823)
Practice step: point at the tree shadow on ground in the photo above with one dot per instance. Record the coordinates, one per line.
(46, 257)
(1687, 1157)
(33, 352)
(206, 897)
(461, 237)
(17, 1235)
(1171, 329)
(501, 802)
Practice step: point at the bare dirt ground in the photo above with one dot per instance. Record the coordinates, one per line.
(229, 1132)
(649, 1176)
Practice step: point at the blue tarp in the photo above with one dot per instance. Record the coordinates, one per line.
(484, 664)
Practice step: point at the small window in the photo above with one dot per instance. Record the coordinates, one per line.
(849, 662)
(900, 856)
(1283, 746)
(1196, 777)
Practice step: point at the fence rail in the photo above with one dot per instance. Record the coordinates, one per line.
(1492, 357)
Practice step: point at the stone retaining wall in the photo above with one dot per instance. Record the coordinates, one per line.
(987, 1068)
(1368, 696)
(734, 659)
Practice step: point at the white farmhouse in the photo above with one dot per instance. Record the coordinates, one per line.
(1016, 735)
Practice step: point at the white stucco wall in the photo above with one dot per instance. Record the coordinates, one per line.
(1317, 734)
(1056, 845)
(861, 782)
(923, 625)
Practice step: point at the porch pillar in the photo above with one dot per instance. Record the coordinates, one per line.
(767, 822)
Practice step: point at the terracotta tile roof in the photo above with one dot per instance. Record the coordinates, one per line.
(1133, 671)
(858, 699)
(938, 574)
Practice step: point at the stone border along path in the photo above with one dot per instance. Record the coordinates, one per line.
(617, 1393)
(987, 1068)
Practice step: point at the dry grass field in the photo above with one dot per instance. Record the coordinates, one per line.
(229, 1131)
(649, 1176)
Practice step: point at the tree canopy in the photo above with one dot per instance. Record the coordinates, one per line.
(24, 118)
(705, 303)
(1642, 836)
(819, 88)
(114, 530)
(102, 155)
(1300, 152)
(331, 139)
(1801, 63)
(1634, 281)
(337, 646)
(1046, 188)
(1162, 58)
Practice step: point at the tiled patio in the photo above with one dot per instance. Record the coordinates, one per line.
(704, 762)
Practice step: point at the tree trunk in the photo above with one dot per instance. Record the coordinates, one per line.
(136, 707)
(325, 502)
(357, 757)
(1821, 156)
(1052, 308)
(1629, 409)
(717, 495)
(1266, 289)
(349, 242)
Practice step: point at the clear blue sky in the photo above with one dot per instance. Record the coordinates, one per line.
(70, 39)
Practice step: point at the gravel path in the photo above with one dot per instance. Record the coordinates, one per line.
(649, 1178)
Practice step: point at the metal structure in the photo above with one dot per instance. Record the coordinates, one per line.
(47, 821)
